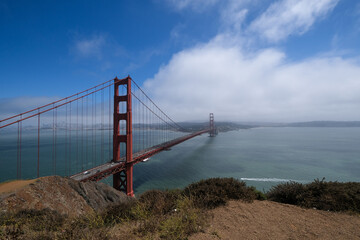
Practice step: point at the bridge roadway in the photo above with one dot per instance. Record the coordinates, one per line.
(109, 168)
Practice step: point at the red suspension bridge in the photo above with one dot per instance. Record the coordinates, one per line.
(101, 131)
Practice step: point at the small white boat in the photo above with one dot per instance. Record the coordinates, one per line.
(146, 159)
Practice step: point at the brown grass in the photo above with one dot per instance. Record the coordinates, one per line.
(14, 185)
(177, 214)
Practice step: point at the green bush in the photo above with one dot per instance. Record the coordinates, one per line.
(160, 202)
(119, 213)
(34, 224)
(332, 196)
(289, 193)
(40, 220)
(184, 221)
(259, 195)
(214, 192)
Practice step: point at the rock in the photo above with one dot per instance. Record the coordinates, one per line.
(63, 195)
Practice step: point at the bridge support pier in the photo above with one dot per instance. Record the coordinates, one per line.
(123, 180)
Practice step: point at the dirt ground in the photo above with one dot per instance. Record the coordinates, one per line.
(270, 220)
(14, 185)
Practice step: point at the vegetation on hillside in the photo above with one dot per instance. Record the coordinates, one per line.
(319, 194)
(172, 214)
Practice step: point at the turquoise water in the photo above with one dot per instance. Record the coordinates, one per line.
(262, 157)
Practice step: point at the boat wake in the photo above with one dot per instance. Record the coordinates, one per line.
(268, 180)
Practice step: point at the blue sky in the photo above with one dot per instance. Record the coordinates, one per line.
(259, 60)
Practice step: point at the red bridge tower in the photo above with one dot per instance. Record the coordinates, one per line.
(123, 180)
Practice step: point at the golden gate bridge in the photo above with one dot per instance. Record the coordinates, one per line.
(93, 134)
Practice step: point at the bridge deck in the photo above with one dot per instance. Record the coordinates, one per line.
(109, 168)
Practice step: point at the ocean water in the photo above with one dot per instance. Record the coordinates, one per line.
(262, 157)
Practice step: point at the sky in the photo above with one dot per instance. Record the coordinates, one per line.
(243, 60)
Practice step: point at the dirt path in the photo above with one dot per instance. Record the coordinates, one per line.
(270, 220)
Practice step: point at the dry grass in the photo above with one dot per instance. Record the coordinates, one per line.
(174, 214)
(14, 185)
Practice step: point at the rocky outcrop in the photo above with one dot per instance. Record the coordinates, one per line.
(63, 195)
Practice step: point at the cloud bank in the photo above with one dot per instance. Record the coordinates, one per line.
(260, 85)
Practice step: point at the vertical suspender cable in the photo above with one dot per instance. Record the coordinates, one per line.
(18, 153)
(109, 128)
(92, 131)
(86, 130)
(66, 139)
(20, 146)
(102, 126)
(82, 134)
(77, 135)
(95, 117)
(55, 140)
(69, 169)
(38, 145)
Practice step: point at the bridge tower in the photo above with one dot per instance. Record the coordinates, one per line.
(123, 180)
(212, 126)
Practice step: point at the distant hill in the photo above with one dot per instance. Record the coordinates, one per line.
(221, 126)
(230, 126)
(324, 124)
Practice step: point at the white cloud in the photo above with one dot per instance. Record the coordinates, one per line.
(234, 16)
(13, 106)
(260, 86)
(281, 19)
(90, 47)
(239, 83)
(287, 17)
(197, 5)
(176, 31)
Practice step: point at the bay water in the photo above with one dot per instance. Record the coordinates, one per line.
(262, 157)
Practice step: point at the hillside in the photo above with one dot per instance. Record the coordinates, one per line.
(63, 195)
(271, 220)
(325, 124)
(217, 208)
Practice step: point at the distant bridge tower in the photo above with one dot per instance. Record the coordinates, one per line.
(213, 131)
(123, 180)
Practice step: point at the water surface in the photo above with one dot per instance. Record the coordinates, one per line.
(262, 157)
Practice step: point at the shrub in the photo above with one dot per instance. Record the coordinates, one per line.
(215, 192)
(186, 220)
(34, 224)
(332, 196)
(160, 202)
(289, 192)
(119, 213)
(40, 220)
(258, 194)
